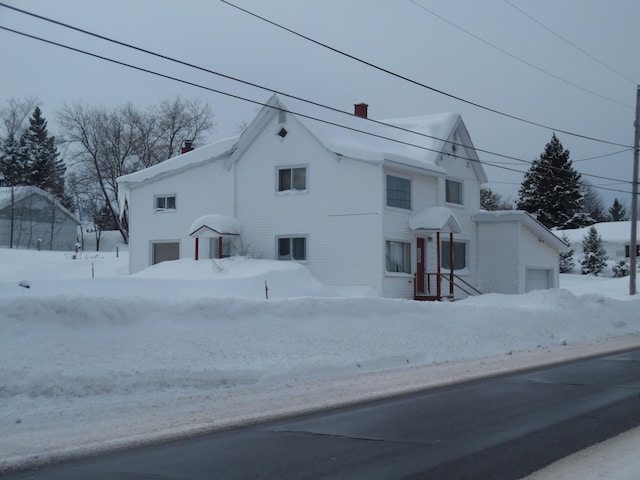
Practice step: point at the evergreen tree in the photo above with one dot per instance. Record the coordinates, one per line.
(45, 169)
(566, 257)
(551, 189)
(617, 212)
(13, 169)
(594, 258)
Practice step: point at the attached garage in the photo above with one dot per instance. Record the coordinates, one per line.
(516, 253)
(164, 251)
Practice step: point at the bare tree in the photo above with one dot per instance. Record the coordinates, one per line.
(112, 143)
(593, 203)
(14, 115)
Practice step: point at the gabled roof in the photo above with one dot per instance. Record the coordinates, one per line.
(526, 219)
(22, 192)
(215, 225)
(416, 142)
(435, 219)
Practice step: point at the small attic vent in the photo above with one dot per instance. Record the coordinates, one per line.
(283, 132)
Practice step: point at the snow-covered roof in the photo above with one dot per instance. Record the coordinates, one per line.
(21, 192)
(181, 162)
(214, 225)
(526, 219)
(616, 232)
(435, 219)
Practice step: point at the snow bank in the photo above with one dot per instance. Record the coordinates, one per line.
(82, 359)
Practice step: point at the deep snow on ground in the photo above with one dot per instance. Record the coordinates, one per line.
(91, 358)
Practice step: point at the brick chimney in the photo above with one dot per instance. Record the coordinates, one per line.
(360, 110)
(187, 147)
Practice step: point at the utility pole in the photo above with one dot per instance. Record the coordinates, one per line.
(634, 201)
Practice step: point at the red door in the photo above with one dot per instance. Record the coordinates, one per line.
(420, 266)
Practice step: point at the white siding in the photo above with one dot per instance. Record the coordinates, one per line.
(498, 257)
(199, 191)
(537, 254)
(339, 213)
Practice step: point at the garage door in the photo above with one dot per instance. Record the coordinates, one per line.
(165, 251)
(538, 279)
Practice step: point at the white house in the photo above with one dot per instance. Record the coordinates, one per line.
(616, 238)
(391, 205)
(33, 218)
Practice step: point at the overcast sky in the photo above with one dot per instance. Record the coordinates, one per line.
(592, 95)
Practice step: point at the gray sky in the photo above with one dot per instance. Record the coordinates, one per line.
(399, 35)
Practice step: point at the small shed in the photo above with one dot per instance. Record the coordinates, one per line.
(219, 230)
(516, 253)
(33, 218)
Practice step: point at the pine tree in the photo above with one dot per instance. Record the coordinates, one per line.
(594, 258)
(617, 212)
(13, 170)
(45, 169)
(566, 257)
(551, 189)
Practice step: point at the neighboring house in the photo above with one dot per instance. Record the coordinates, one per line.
(616, 238)
(38, 220)
(394, 209)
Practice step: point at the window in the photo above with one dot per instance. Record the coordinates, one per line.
(292, 179)
(627, 250)
(454, 192)
(214, 247)
(398, 192)
(292, 248)
(459, 255)
(165, 202)
(164, 251)
(398, 257)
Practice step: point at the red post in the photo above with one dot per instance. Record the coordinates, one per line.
(439, 279)
(197, 247)
(451, 260)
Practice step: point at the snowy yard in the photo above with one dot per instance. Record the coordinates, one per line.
(92, 359)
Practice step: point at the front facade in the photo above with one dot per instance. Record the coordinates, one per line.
(32, 218)
(356, 209)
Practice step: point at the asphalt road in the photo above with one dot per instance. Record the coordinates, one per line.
(499, 428)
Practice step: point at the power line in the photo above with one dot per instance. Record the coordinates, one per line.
(235, 79)
(263, 104)
(255, 85)
(415, 82)
(515, 57)
(566, 40)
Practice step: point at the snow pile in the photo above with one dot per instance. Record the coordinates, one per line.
(83, 359)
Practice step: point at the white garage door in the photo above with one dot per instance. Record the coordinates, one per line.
(538, 279)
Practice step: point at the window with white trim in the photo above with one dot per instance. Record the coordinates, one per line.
(398, 192)
(398, 256)
(459, 255)
(165, 202)
(292, 248)
(292, 178)
(454, 192)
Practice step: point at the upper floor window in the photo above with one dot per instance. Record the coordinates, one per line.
(454, 192)
(292, 179)
(398, 192)
(165, 202)
(292, 248)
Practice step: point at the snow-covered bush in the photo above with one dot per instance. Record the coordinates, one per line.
(620, 269)
(566, 257)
